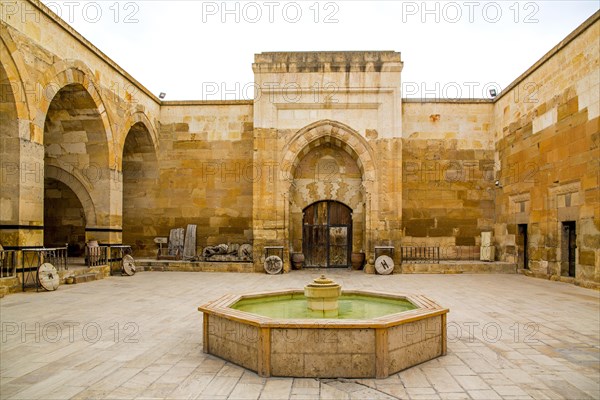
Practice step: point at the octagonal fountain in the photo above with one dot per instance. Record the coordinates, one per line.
(324, 332)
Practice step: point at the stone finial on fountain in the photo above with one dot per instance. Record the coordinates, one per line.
(322, 295)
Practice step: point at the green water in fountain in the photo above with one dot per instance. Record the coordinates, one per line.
(351, 306)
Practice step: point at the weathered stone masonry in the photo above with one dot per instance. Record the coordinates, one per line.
(88, 153)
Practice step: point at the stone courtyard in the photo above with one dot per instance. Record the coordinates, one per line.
(509, 337)
(468, 197)
(328, 160)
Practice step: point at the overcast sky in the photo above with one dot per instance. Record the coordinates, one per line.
(203, 50)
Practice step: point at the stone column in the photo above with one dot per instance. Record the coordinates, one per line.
(22, 196)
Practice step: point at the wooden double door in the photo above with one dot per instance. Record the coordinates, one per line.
(327, 235)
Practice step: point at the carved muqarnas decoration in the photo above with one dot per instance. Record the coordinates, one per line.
(224, 252)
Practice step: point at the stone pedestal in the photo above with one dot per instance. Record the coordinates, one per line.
(322, 295)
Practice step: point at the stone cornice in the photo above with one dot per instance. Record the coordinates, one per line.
(449, 101)
(168, 103)
(327, 61)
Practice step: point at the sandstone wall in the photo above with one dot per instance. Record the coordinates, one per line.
(547, 128)
(448, 174)
(204, 174)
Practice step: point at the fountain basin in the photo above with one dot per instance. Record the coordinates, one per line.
(372, 347)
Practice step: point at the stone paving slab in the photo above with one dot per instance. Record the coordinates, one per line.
(140, 337)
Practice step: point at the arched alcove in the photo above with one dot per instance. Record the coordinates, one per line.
(74, 131)
(325, 173)
(328, 162)
(140, 190)
(75, 142)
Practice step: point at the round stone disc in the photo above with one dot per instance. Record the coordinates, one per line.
(48, 277)
(128, 265)
(273, 265)
(384, 265)
(245, 251)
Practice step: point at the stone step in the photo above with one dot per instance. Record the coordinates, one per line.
(460, 267)
(196, 266)
(86, 277)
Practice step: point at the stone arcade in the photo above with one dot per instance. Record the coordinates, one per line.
(326, 170)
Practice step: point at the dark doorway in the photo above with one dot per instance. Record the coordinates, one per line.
(568, 248)
(64, 218)
(327, 235)
(523, 259)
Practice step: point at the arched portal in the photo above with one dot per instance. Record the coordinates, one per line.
(140, 190)
(327, 175)
(326, 172)
(327, 234)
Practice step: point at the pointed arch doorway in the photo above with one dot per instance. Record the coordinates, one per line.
(327, 235)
